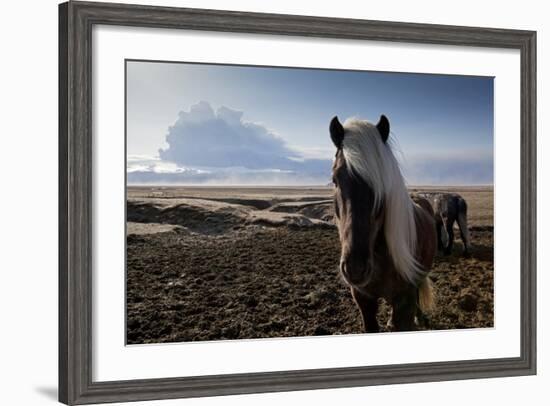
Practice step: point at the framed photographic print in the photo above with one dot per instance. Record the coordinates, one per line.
(257, 202)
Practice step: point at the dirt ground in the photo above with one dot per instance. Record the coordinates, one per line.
(221, 263)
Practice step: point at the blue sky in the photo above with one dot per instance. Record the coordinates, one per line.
(220, 124)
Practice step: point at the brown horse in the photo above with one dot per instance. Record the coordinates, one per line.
(388, 241)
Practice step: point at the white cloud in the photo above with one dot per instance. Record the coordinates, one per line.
(204, 137)
(218, 147)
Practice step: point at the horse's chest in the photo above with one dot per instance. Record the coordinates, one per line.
(386, 283)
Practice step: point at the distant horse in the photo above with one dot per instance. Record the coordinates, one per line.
(449, 208)
(388, 242)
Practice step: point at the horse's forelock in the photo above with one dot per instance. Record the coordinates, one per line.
(363, 151)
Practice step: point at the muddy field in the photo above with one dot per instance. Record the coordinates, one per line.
(229, 263)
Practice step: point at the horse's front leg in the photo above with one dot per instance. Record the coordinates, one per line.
(404, 311)
(369, 308)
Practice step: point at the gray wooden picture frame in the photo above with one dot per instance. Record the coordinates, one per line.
(76, 20)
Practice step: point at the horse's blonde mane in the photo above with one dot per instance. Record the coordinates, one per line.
(373, 160)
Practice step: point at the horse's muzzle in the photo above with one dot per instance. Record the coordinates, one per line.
(354, 272)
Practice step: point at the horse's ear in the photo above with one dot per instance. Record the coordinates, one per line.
(383, 127)
(336, 132)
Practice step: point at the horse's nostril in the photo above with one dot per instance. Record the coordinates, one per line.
(343, 268)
